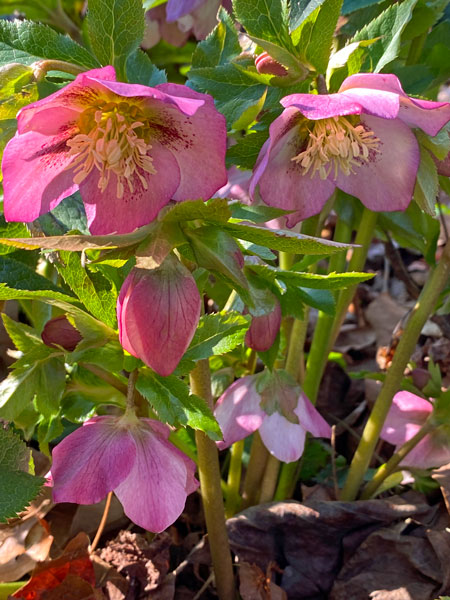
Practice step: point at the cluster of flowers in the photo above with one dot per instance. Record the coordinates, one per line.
(130, 149)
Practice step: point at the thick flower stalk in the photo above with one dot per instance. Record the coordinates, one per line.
(129, 149)
(273, 405)
(131, 457)
(406, 417)
(158, 311)
(359, 140)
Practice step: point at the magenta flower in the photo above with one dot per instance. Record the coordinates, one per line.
(158, 312)
(131, 457)
(273, 405)
(128, 148)
(358, 140)
(60, 332)
(406, 416)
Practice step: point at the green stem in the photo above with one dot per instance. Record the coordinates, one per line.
(385, 470)
(327, 328)
(419, 315)
(415, 49)
(255, 471)
(233, 500)
(269, 482)
(211, 490)
(42, 67)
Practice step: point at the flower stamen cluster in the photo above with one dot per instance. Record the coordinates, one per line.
(335, 144)
(113, 139)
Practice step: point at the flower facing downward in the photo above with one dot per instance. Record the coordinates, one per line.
(131, 457)
(158, 311)
(128, 148)
(406, 416)
(358, 140)
(272, 404)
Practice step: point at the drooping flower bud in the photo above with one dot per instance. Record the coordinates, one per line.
(158, 312)
(60, 332)
(264, 329)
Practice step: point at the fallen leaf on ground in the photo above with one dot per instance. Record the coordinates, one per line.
(256, 585)
(49, 579)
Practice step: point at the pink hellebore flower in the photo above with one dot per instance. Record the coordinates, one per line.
(264, 329)
(358, 140)
(131, 457)
(158, 312)
(280, 412)
(406, 416)
(128, 148)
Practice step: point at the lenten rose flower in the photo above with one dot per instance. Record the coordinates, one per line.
(131, 457)
(158, 312)
(264, 329)
(274, 405)
(406, 416)
(359, 140)
(128, 148)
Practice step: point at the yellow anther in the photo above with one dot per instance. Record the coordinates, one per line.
(335, 144)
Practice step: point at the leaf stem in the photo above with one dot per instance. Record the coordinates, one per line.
(42, 67)
(102, 524)
(210, 482)
(417, 319)
(233, 499)
(269, 482)
(255, 471)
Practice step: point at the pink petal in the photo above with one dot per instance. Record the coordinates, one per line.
(387, 181)
(355, 102)
(106, 213)
(52, 113)
(406, 416)
(179, 8)
(158, 312)
(35, 178)
(154, 493)
(238, 411)
(199, 139)
(310, 419)
(280, 180)
(283, 439)
(91, 461)
(429, 116)
(427, 454)
(263, 330)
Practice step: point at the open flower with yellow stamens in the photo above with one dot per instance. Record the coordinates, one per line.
(128, 148)
(358, 140)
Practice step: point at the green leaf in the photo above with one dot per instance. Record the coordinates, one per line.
(215, 210)
(16, 275)
(140, 69)
(351, 5)
(92, 289)
(245, 152)
(11, 230)
(439, 145)
(388, 26)
(270, 356)
(17, 89)
(116, 28)
(14, 454)
(18, 489)
(315, 34)
(26, 42)
(220, 46)
(288, 241)
(217, 250)
(301, 10)
(217, 334)
(23, 336)
(68, 215)
(332, 281)
(427, 184)
(321, 299)
(257, 214)
(171, 399)
(16, 392)
(50, 384)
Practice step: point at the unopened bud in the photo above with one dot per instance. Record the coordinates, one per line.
(60, 332)
(266, 65)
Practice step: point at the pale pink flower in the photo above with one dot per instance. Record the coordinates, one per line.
(358, 140)
(128, 148)
(158, 311)
(131, 457)
(280, 412)
(406, 416)
(264, 329)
